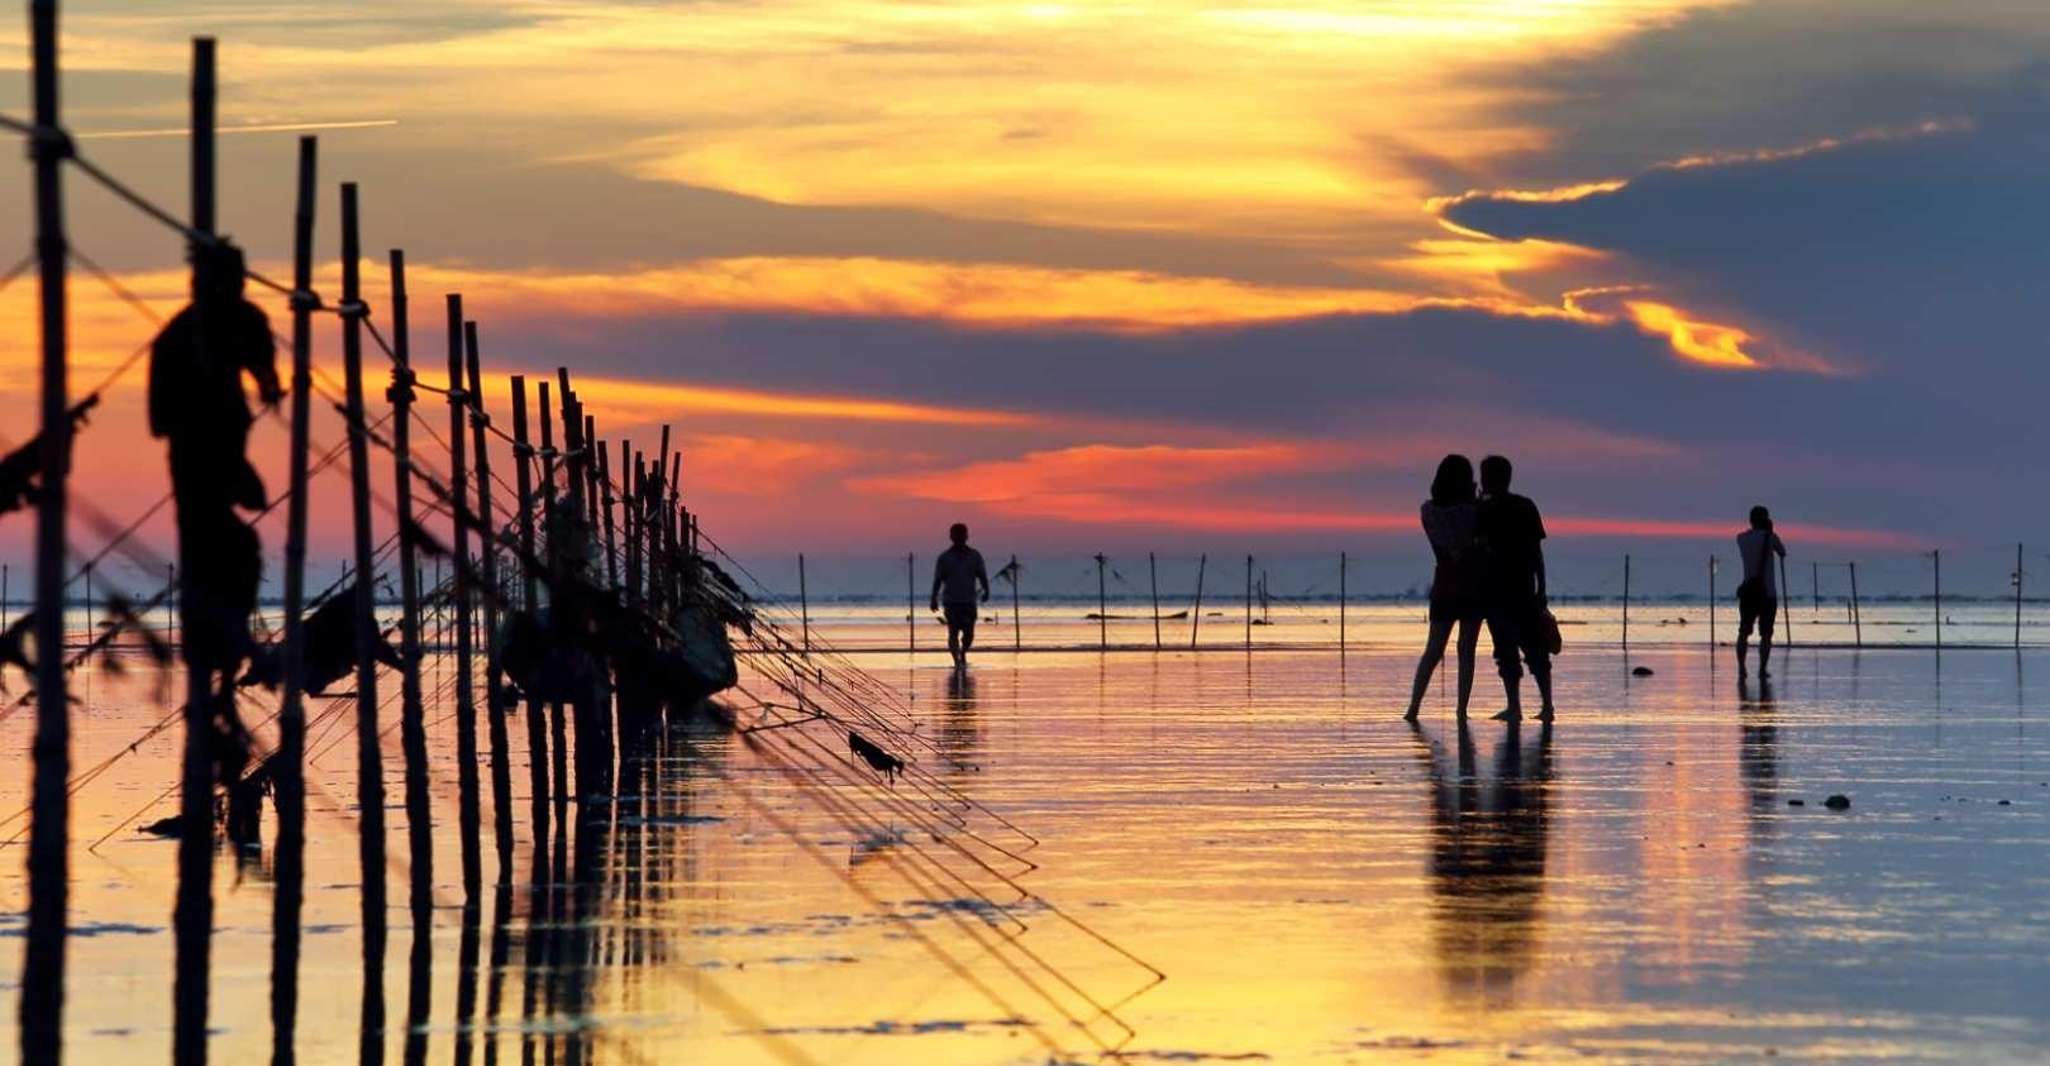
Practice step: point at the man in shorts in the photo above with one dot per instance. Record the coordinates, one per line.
(1758, 597)
(961, 584)
(1512, 535)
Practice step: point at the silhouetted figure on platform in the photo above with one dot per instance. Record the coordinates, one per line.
(1512, 535)
(1450, 519)
(961, 584)
(197, 405)
(1758, 595)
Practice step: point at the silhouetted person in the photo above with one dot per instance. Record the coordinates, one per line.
(1758, 595)
(1450, 519)
(1512, 535)
(197, 404)
(961, 584)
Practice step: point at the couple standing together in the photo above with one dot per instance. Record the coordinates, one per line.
(1491, 568)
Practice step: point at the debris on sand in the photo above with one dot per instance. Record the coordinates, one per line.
(1838, 802)
(1797, 803)
(1642, 671)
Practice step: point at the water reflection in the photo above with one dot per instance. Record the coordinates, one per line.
(960, 734)
(1758, 751)
(1486, 865)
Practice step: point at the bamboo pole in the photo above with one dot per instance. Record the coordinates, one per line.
(804, 604)
(1249, 603)
(1857, 609)
(412, 712)
(193, 912)
(1153, 582)
(537, 736)
(1196, 614)
(604, 476)
(289, 784)
(1341, 605)
(1711, 603)
(2017, 597)
(42, 987)
(494, 595)
(1102, 608)
(1936, 577)
(1626, 601)
(369, 757)
(911, 604)
(1017, 627)
(464, 595)
(1787, 597)
(558, 722)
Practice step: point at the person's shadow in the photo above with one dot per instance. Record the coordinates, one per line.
(1486, 868)
(1758, 758)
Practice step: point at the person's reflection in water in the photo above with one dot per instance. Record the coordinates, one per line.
(960, 734)
(1758, 756)
(1487, 862)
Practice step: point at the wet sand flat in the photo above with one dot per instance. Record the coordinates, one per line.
(1319, 881)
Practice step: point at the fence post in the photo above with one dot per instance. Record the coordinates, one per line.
(1857, 610)
(1626, 601)
(1936, 578)
(1153, 580)
(1786, 595)
(1711, 603)
(804, 604)
(2017, 596)
(1017, 630)
(1196, 616)
(1249, 603)
(1341, 605)
(910, 603)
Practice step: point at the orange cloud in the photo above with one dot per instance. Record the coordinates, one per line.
(1102, 469)
(1703, 342)
(740, 465)
(641, 401)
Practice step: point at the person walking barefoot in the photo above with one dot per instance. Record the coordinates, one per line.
(1449, 519)
(1512, 535)
(962, 583)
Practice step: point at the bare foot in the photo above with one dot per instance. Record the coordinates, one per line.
(1545, 715)
(1509, 714)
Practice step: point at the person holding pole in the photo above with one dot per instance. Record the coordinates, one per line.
(1758, 596)
(1449, 519)
(960, 581)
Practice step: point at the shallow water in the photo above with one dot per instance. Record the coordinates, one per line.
(1318, 881)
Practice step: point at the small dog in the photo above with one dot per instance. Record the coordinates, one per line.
(879, 760)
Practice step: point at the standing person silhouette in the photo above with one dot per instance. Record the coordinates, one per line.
(1758, 595)
(960, 582)
(1449, 519)
(1512, 537)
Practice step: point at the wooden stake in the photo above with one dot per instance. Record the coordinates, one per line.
(412, 713)
(494, 595)
(2017, 597)
(49, 869)
(604, 476)
(910, 604)
(464, 595)
(1153, 582)
(1102, 608)
(289, 783)
(804, 604)
(369, 757)
(1787, 598)
(1249, 603)
(558, 723)
(1017, 630)
(1196, 615)
(1341, 605)
(1626, 602)
(1857, 610)
(1936, 576)
(537, 735)
(193, 912)
(1711, 603)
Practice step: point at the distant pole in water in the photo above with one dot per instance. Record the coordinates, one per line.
(910, 603)
(1153, 582)
(88, 603)
(2017, 597)
(42, 985)
(494, 703)
(804, 604)
(1857, 610)
(289, 784)
(466, 686)
(1711, 602)
(530, 595)
(1815, 587)
(1102, 609)
(1787, 591)
(1936, 580)
(1196, 615)
(1249, 603)
(369, 755)
(1017, 631)
(1341, 605)
(1626, 601)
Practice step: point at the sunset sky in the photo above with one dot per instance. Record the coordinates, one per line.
(1108, 277)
